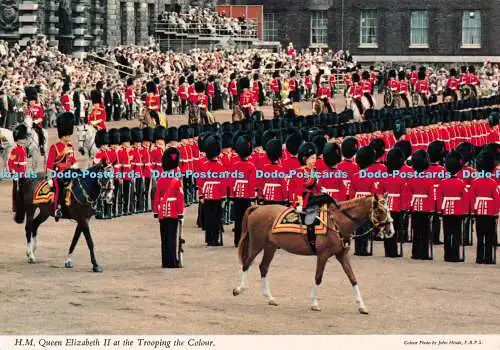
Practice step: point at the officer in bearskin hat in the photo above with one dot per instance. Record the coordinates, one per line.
(130, 99)
(35, 111)
(247, 99)
(146, 158)
(17, 161)
(436, 151)
(125, 157)
(61, 158)
(169, 210)
(102, 156)
(274, 189)
(97, 117)
(137, 206)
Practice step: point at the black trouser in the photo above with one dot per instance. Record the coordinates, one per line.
(126, 197)
(361, 243)
(153, 191)
(199, 219)
(452, 228)
(139, 195)
(369, 98)
(169, 240)
(145, 194)
(212, 222)
(130, 113)
(467, 230)
(422, 240)
(183, 106)
(240, 206)
(486, 230)
(391, 244)
(436, 229)
(116, 210)
(405, 227)
(15, 188)
(41, 138)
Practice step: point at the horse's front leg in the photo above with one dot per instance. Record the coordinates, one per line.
(69, 262)
(90, 244)
(343, 258)
(318, 278)
(29, 236)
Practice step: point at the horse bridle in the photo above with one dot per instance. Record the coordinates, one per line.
(102, 185)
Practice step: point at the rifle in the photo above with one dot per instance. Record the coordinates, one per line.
(180, 243)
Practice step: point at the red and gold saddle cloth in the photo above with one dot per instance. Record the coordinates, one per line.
(43, 193)
(289, 221)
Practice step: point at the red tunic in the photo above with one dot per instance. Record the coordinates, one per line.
(247, 100)
(113, 158)
(397, 192)
(292, 85)
(233, 88)
(403, 87)
(308, 83)
(136, 161)
(393, 85)
(356, 91)
(366, 86)
(212, 187)
(452, 197)
(211, 89)
(361, 185)
(153, 102)
(303, 182)
(245, 185)
(332, 80)
(273, 183)
(36, 113)
(485, 196)
(275, 86)
(192, 94)
(66, 103)
(182, 92)
(349, 168)
(17, 160)
(324, 92)
(413, 77)
(146, 160)
(129, 96)
(169, 198)
(156, 159)
(100, 156)
(332, 182)
(422, 87)
(125, 158)
(421, 193)
(97, 118)
(61, 157)
(453, 84)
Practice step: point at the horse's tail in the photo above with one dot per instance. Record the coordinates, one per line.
(18, 199)
(244, 245)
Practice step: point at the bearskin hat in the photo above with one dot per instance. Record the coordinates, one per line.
(436, 151)
(148, 134)
(183, 132)
(453, 72)
(136, 135)
(99, 85)
(257, 139)
(114, 136)
(453, 162)
(355, 78)
(378, 146)
(156, 80)
(269, 135)
(160, 133)
(65, 87)
(463, 69)
(232, 76)
(306, 150)
(170, 159)
(466, 151)
(212, 146)
(365, 75)
(172, 134)
(96, 97)
(293, 142)
(31, 93)
(244, 83)
(349, 147)
(228, 127)
(319, 142)
(273, 150)
(190, 79)
(420, 160)
(308, 72)
(392, 73)
(211, 78)
(421, 75)
(130, 81)
(20, 132)
(494, 149)
(405, 147)
(101, 138)
(243, 146)
(199, 86)
(365, 157)
(65, 124)
(256, 76)
(150, 87)
(472, 69)
(401, 75)
(331, 154)
(395, 159)
(292, 74)
(494, 119)
(182, 79)
(485, 161)
(227, 140)
(125, 135)
(266, 124)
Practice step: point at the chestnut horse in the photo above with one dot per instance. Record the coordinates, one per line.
(343, 219)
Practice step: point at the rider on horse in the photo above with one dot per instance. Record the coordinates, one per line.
(35, 111)
(61, 158)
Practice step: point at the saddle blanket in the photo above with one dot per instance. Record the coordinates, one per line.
(289, 221)
(43, 193)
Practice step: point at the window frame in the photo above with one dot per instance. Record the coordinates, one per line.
(274, 30)
(323, 17)
(426, 28)
(468, 13)
(375, 19)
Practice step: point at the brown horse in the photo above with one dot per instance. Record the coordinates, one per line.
(342, 220)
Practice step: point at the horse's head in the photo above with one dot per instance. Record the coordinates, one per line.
(381, 216)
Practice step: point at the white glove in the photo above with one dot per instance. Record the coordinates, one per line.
(50, 182)
(74, 166)
(299, 208)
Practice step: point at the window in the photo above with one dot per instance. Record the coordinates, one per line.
(137, 15)
(270, 27)
(151, 19)
(368, 28)
(123, 23)
(319, 28)
(419, 29)
(471, 29)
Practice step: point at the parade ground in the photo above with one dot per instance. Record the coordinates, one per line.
(134, 295)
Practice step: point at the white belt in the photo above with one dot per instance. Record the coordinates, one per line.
(394, 195)
(419, 196)
(359, 194)
(170, 199)
(140, 164)
(21, 163)
(127, 165)
(449, 199)
(117, 165)
(147, 164)
(272, 185)
(241, 182)
(481, 199)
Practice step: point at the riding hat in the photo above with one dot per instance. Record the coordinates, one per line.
(114, 136)
(96, 97)
(331, 154)
(349, 147)
(148, 134)
(65, 124)
(436, 151)
(125, 135)
(365, 157)
(243, 146)
(305, 151)
(20, 132)
(101, 138)
(378, 146)
(395, 159)
(136, 134)
(453, 162)
(273, 150)
(293, 142)
(212, 145)
(420, 160)
(170, 159)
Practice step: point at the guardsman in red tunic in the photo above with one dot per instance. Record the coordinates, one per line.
(66, 100)
(130, 98)
(361, 186)
(35, 111)
(308, 83)
(394, 187)
(102, 156)
(247, 98)
(152, 100)
(466, 152)
(137, 168)
(485, 202)
(393, 84)
(97, 117)
(293, 87)
(349, 148)
(226, 157)
(332, 179)
(212, 190)
(61, 158)
(452, 85)
(272, 179)
(146, 151)
(211, 92)
(347, 83)
(422, 204)
(276, 85)
(292, 144)
(114, 141)
(403, 88)
(184, 162)
(160, 138)
(243, 189)
(233, 90)
(332, 81)
(367, 87)
(413, 77)
(168, 208)
(436, 151)
(17, 161)
(125, 158)
(453, 203)
(192, 94)
(422, 86)
(182, 93)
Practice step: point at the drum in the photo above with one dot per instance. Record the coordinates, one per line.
(466, 92)
(388, 98)
(357, 107)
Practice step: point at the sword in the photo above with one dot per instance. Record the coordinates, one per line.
(180, 243)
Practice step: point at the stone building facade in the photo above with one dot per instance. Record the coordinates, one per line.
(423, 30)
(79, 26)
